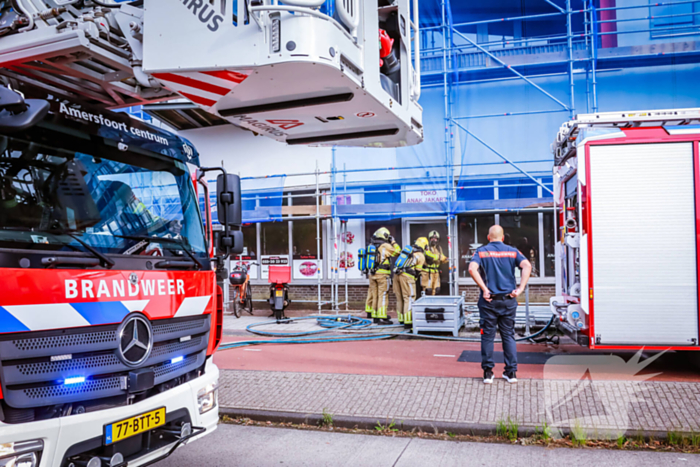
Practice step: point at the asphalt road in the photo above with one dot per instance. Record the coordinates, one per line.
(232, 445)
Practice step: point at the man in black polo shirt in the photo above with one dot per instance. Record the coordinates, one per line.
(496, 262)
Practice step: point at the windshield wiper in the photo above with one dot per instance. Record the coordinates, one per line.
(107, 262)
(104, 260)
(165, 240)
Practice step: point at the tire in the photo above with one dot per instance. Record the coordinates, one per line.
(249, 298)
(236, 303)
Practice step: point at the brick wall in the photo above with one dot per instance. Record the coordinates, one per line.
(358, 293)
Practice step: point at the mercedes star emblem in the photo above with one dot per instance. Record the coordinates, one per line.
(135, 340)
(133, 278)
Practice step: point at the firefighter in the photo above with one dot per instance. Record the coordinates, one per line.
(377, 295)
(493, 269)
(406, 274)
(430, 278)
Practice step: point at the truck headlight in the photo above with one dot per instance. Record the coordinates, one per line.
(207, 397)
(22, 454)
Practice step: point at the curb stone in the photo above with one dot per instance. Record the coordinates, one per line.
(366, 423)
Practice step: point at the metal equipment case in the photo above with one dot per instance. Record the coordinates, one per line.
(438, 313)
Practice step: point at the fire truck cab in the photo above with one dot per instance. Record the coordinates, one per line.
(109, 311)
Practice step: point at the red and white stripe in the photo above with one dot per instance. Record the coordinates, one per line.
(204, 88)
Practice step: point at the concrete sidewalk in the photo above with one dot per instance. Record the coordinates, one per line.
(588, 401)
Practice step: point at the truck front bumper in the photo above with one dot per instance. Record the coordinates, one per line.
(62, 434)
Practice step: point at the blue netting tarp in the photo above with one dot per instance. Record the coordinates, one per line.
(261, 197)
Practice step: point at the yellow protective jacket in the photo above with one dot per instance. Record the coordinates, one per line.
(415, 265)
(434, 258)
(386, 251)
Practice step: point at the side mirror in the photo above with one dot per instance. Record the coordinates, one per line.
(228, 200)
(16, 114)
(229, 243)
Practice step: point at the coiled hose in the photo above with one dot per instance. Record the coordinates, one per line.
(359, 329)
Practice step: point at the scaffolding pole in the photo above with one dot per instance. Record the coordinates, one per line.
(335, 262)
(570, 49)
(345, 243)
(318, 238)
(593, 54)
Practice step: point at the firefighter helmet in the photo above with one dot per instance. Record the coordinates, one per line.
(422, 242)
(382, 233)
(434, 234)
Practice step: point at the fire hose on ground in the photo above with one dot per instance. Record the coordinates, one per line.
(358, 329)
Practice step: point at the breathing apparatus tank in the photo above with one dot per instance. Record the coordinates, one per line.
(362, 260)
(371, 257)
(403, 258)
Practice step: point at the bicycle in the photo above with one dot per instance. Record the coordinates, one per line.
(241, 292)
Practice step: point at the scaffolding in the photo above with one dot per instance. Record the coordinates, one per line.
(338, 278)
(452, 55)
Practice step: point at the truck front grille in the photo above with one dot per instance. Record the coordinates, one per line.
(90, 389)
(56, 343)
(32, 378)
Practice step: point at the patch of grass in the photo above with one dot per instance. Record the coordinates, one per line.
(507, 429)
(326, 419)
(579, 437)
(388, 428)
(451, 435)
(621, 440)
(675, 438)
(695, 440)
(545, 434)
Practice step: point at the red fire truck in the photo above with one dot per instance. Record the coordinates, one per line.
(109, 308)
(627, 196)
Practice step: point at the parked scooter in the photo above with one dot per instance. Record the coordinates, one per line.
(279, 278)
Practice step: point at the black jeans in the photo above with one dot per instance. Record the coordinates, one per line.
(498, 314)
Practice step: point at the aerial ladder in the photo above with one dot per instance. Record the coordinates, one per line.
(312, 72)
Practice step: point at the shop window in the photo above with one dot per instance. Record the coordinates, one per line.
(274, 238)
(522, 231)
(550, 238)
(304, 239)
(473, 231)
(393, 225)
(304, 251)
(250, 244)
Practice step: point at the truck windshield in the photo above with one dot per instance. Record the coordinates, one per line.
(50, 195)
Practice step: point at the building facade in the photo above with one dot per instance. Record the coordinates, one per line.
(498, 80)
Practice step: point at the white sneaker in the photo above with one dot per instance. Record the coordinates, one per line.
(510, 377)
(488, 377)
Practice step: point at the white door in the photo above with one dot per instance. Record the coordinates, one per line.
(644, 244)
